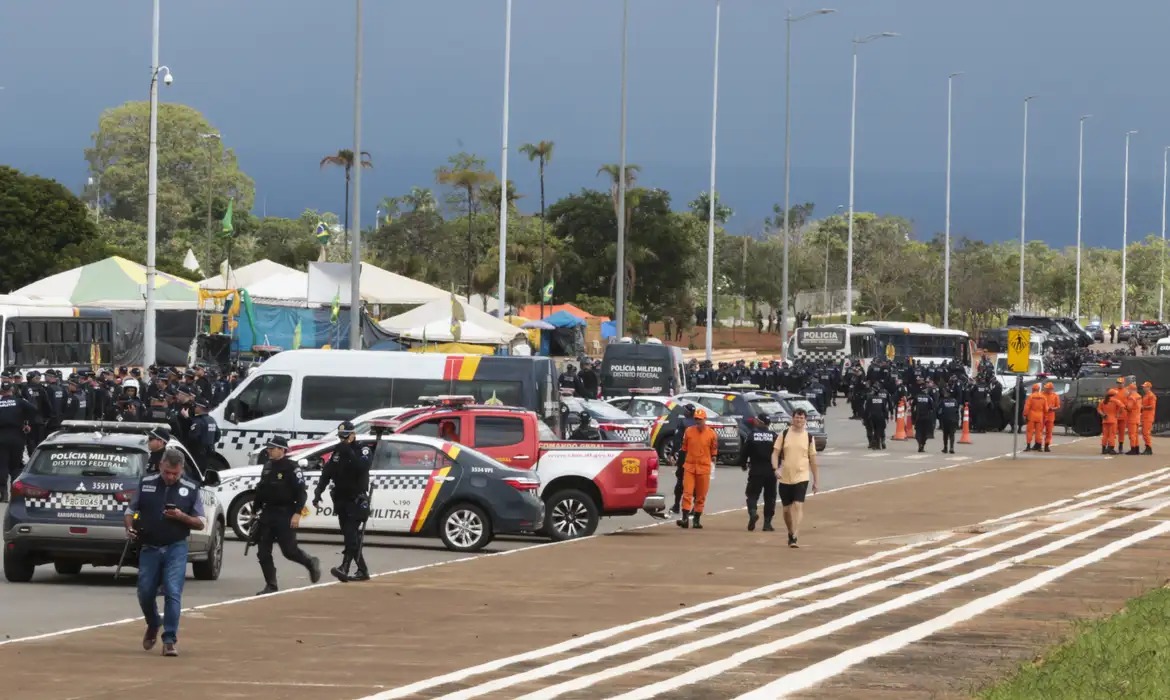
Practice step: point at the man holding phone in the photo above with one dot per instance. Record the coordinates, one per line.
(161, 515)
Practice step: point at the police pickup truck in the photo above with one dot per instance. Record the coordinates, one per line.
(68, 503)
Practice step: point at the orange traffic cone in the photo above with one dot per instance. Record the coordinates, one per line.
(900, 421)
(965, 438)
(909, 425)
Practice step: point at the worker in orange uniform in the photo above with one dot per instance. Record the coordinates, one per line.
(700, 446)
(1119, 397)
(1053, 400)
(1035, 407)
(1149, 408)
(1108, 408)
(1133, 417)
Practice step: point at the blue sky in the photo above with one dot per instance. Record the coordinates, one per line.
(276, 77)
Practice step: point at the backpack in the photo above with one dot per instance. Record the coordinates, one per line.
(784, 438)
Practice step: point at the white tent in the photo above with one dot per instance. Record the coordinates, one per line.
(432, 322)
(384, 287)
(247, 275)
(292, 286)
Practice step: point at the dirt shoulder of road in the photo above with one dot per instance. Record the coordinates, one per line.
(345, 641)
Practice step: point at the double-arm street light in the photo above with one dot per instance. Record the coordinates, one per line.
(1080, 206)
(1162, 275)
(156, 71)
(947, 227)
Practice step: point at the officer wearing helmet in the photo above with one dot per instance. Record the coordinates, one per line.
(585, 430)
(348, 469)
(129, 406)
(34, 392)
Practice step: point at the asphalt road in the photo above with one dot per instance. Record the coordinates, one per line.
(52, 602)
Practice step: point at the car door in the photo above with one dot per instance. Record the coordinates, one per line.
(404, 476)
(502, 438)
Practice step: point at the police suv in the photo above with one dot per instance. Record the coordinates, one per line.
(67, 506)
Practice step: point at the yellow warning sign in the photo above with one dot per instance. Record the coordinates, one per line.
(1019, 341)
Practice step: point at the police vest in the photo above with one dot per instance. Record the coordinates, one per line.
(153, 496)
(760, 450)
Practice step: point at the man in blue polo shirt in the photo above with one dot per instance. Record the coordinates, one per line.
(161, 516)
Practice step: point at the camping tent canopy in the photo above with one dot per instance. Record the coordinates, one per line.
(432, 322)
(247, 275)
(533, 311)
(114, 283)
(563, 319)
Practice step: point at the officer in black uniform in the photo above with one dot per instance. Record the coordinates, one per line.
(15, 414)
(127, 406)
(948, 418)
(77, 402)
(203, 434)
(57, 397)
(156, 441)
(280, 497)
(585, 430)
(878, 407)
(34, 392)
(925, 413)
(348, 469)
(761, 477)
(685, 420)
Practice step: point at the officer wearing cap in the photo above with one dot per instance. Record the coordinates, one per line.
(280, 498)
(77, 402)
(57, 396)
(34, 392)
(203, 434)
(348, 469)
(156, 441)
(15, 414)
(179, 413)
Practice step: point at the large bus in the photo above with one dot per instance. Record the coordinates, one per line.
(303, 394)
(43, 334)
(835, 343)
(922, 342)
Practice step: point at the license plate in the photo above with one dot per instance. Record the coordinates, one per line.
(81, 500)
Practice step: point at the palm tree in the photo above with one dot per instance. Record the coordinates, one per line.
(489, 194)
(470, 181)
(542, 153)
(345, 159)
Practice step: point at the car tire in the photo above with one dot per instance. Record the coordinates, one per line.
(208, 569)
(464, 527)
(18, 568)
(243, 503)
(569, 514)
(65, 568)
(1086, 424)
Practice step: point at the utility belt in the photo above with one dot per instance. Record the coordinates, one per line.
(360, 501)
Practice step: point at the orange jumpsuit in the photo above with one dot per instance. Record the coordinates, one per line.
(1108, 409)
(1034, 409)
(1149, 408)
(1133, 415)
(1050, 418)
(702, 446)
(1119, 399)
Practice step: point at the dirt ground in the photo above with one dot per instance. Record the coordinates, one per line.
(353, 641)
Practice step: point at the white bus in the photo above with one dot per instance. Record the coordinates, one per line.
(46, 334)
(922, 342)
(835, 343)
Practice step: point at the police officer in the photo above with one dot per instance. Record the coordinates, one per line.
(15, 414)
(34, 392)
(585, 430)
(280, 497)
(156, 441)
(878, 407)
(761, 477)
(77, 402)
(925, 413)
(948, 418)
(128, 407)
(202, 435)
(57, 397)
(348, 469)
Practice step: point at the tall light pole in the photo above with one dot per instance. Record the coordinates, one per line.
(1080, 203)
(947, 227)
(1162, 275)
(711, 192)
(502, 285)
(620, 302)
(1125, 224)
(355, 259)
(210, 179)
(1024, 201)
(96, 183)
(148, 320)
(789, 21)
(852, 161)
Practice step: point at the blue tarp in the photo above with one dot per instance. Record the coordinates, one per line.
(564, 319)
(608, 329)
(277, 325)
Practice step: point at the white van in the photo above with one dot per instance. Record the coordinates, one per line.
(1008, 379)
(304, 394)
(1162, 347)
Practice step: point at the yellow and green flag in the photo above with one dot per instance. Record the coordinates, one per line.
(296, 342)
(547, 292)
(228, 230)
(336, 306)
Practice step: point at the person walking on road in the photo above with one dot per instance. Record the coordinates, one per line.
(1149, 409)
(949, 412)
(794, 460)
(761, 474)
(161, 515)
(348, 469)
(925, 414)
(1053, 400)
(699, 448)
(280, 498)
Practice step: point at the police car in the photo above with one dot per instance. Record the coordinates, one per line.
(666, 411)
(67, 506)
(745, 401)
(420, 486)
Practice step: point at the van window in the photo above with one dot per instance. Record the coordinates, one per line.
(266, 395)
(389, 455)
(498, 431)
(406, 392)
(343, 398)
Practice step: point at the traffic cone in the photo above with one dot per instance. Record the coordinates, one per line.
(909, 425)
(965, 438)
(900, 421)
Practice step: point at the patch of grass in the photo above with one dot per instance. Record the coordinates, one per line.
(1123, 656)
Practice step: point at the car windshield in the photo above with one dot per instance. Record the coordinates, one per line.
(766, 407)
(711, 413)
(1001, 366)
(88, 460)
(805, 404)
(601, 409)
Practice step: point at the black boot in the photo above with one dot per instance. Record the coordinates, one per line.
(883, 443)
(753, 516)
(314, 567)
(1048, 448)
(1148, 451)
(698, 525)
(684, 522)
(268, 588)
(341, 573)
(361, 575)
(768, 525)
(1027, 448)
(1104, 450)
(1133, 451)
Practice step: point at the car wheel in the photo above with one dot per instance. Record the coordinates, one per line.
(1086, 424)
(65, 568)
(208, 570)
(570, 514)
(18, 568)
(241, 514)
(465, 528)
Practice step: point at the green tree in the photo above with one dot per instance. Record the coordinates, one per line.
(465, 175)
(542, 153)
(701, 206)
(347, 161)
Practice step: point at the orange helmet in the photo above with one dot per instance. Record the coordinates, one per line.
(1049, 385)
(700, 414)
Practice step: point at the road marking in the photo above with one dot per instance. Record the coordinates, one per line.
(1114, 494)
(876, 454)
(1146, 479)
(958, 459)
(710, 670)
(917, 456)
(811, 675)
(1130, 480)
(767, 623)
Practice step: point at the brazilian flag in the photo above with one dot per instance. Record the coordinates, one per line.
(547, 292)
(228, 230)
(322, 233)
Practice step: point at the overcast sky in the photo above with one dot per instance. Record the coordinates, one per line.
(276, 77)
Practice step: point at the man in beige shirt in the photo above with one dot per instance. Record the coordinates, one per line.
(794, 459)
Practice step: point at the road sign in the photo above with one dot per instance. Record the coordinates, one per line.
(1019, 342)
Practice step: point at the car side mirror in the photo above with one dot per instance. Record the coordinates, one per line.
(211, 478)
(231, 411)
(303, 462)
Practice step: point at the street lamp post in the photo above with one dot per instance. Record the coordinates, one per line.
(711, 193)
(1024, 201)
(1125, 224)
(852, 160)
(210, 179)
(620, 303)
(148, 321)
(96, 183)
(1162, 275)
(947, 227)
(355, 256)
(789, 21)
(501, 287)
(1080, 202)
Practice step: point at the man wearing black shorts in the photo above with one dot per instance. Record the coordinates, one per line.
(794, 460)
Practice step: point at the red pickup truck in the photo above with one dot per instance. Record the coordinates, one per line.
(579, 481)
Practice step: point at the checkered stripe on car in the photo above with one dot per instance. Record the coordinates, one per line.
(629, 434)
(106, 503)
(833, 356)
(400, 481)
(249, 440)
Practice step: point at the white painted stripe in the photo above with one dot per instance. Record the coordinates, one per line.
(1026, 511)
(871, 455)
(957, 458)
(818, 672)
(1150, 476)
(1117, 493)
(751, 654)
(770, 622)
(1130, 480)
(563, 665)
(917, 456)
